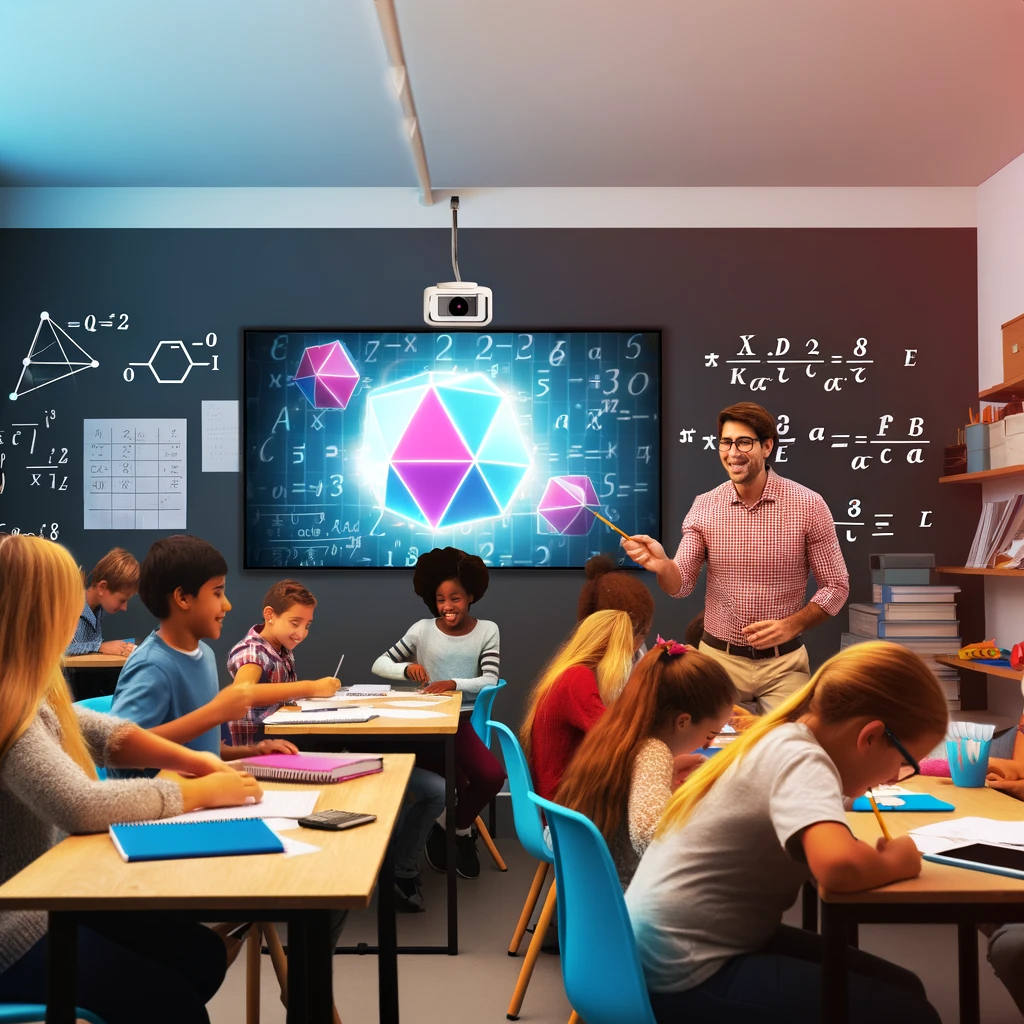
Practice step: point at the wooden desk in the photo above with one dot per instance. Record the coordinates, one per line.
(77, 661)
(86, 874)
(369, 735)
(939, 895)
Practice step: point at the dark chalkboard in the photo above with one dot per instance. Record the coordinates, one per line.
(868, 294)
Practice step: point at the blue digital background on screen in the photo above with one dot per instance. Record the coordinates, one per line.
(365, 449)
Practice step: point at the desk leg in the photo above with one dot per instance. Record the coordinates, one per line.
(60, 969)
(319, 968)
(835, 927)
(296, 971)
(450, 855)
(387, 943)
(967, 951)
(809, 907)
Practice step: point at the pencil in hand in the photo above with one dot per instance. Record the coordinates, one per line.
(878, 815)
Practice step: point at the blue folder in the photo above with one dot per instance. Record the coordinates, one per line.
(182, 839)
(911, 802)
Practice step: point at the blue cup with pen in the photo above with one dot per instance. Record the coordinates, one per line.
(967, 748)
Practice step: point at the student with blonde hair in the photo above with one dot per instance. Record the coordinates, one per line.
(628, 765)
(164, 969)
(755, 822)
(585, 675)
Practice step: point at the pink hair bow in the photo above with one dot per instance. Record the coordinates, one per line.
(671, 646)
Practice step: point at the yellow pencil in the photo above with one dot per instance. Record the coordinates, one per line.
(605, 521)
(881, 820)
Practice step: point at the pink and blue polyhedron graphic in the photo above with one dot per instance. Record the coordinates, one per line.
(443, 449)
(327, 376)
(562, 506)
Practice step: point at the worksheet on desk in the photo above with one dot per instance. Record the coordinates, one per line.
(946, 835)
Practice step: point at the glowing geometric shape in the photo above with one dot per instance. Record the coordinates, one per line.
(32, 366)
(432, 484)
(431, 436)
(327, 376)
(472, 501)
(424, 441)
(562, 505)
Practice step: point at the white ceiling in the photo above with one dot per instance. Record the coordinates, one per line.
(512, 92)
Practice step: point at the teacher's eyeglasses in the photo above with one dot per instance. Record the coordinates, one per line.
(743, 444)
(910, 767)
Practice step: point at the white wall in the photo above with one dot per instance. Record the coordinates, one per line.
(1001, 298)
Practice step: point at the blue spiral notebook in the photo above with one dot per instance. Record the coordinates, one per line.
(911, 802)
(159, 840)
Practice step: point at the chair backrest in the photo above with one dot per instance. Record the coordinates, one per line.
(482, 711)
(102, 705)
(601, 967)
(20, 1013)
(529, 826)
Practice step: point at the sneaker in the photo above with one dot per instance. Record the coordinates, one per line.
(467, 863)
(435, 849)
(408, 895)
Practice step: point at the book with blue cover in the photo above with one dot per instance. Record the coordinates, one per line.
(178, 840)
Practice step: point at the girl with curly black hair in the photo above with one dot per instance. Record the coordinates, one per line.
(451, 650)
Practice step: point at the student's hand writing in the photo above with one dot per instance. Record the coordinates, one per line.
(769, 633)
(325, 687)
(417, 673)
(220, 789)
(645, 551)
(1004, 768)
(276, 746)
(683, 765)
(1014, 787)
(233, 701)
(119, 647)
(444, 686)
(902, 856)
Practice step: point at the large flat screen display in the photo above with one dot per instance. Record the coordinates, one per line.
(366, 448)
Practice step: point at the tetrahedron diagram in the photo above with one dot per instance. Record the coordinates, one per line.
(53, 355)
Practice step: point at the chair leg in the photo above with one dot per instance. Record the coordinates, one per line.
(280, 961)
(492, 817)
(575, 1018)
(526, 972)
(528, 907)
(489, 843)
(253, 948)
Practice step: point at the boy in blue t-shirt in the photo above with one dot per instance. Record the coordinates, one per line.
(169, 685)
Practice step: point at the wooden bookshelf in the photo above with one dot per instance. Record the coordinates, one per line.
(978, 478)
(1004, 392)
(990, 670)
(965, 570)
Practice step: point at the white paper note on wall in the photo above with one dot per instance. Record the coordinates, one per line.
(136, 474)
(220, 437)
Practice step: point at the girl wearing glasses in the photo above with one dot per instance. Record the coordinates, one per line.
(750, 826)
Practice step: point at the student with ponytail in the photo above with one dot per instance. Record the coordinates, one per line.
(130, 967)
(585, 675)
(755, 822)
(626, 768)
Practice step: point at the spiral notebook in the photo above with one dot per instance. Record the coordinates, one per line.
(159, 840)
(329, 716)
(307, 768)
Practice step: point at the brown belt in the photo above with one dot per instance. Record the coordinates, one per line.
(743, 651)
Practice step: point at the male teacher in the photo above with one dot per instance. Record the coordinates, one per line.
(762, 535)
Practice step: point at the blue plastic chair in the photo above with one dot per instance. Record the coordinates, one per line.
(478, 719)
(601, 968)
(530, 830)
(102, 705)
(20, 1013)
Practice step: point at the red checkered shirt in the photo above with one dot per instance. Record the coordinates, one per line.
(759, 558)
(276, 667)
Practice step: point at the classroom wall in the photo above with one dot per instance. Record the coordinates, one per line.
(1001, 298)
(913, 287)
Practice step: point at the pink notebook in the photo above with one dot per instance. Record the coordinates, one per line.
(322, 768)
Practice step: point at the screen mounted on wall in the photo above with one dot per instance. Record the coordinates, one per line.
(366, 448)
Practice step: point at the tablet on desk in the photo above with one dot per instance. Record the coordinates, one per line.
(998, 860)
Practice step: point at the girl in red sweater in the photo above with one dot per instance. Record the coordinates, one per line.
(586, 674)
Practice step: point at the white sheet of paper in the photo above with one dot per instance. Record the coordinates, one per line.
(276, 803)
(944, 835)
(220, 436)
(355, 715)
(369, 689)
(385, 712)
(296, 847)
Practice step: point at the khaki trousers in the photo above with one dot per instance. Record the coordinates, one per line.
(767, 682)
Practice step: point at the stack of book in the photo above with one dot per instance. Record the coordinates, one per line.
(908, 609)
(999, 539)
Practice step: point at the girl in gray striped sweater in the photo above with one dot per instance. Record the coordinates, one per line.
(130, 967)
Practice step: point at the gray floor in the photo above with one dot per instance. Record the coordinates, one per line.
(477, 985)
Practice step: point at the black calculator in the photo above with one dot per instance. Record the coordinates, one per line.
(335, 821)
